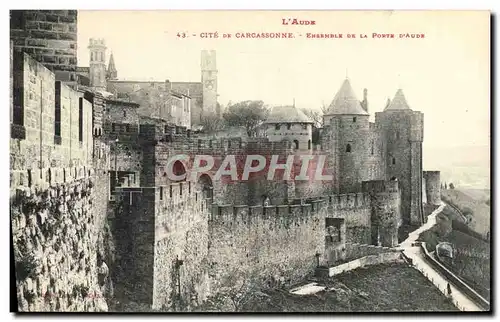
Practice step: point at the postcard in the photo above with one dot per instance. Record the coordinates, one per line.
(250, 161)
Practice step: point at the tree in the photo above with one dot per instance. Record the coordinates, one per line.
(249, 114)
(218, 109)
(316, 115)
(212, 123)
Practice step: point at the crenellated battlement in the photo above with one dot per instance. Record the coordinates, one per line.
(255, 218)
(344, 201)
(36, 179)
(55, 143)
(225, 145)
(172, 195)
(238, 213)
(380, 186)
(178, 138)
(333, 202)
(97, 42)
(349, 201)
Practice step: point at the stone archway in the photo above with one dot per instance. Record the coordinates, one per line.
(179, 169)
(205, 186)
(266, 201)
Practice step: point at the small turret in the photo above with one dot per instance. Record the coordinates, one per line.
(364, 103)
(433, 187)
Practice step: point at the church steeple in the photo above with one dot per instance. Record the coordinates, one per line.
(112, 73)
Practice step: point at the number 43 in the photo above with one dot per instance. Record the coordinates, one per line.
(181, 35)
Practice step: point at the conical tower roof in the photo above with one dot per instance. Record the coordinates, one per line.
(399, 102)
(346, 102)
(111, 65)
(287, 114)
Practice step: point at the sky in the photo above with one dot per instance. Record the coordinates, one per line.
(445, 75)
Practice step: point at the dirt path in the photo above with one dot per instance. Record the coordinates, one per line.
(460, 300)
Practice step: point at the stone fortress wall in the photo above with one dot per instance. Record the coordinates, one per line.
(165, 225)
(50, 37)
(59, 192)
(221, 245)
(71, 181)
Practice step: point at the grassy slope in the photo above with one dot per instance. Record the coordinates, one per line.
(477, 194)
(472, 258)
(380, 288)
(475, 200)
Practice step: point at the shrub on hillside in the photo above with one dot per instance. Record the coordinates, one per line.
(462, 227)
(444, 226)
(472, 260)
(438, 232)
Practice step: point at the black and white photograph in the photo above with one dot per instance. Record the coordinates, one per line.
(258, 161)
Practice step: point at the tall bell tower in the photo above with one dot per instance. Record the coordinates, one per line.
(97, 65)
(209, 81)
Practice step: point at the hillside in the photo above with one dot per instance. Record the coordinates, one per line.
(477, 194)
(474, 201)
(378, 288)
(472, 254)
(467, 167)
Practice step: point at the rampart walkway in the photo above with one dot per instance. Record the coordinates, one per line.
(415, 253)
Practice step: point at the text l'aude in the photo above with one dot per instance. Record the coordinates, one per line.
(295, 21)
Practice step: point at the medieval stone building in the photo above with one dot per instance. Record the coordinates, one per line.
(181, 103)
(389, 149)
(290, 124)
(89, 161)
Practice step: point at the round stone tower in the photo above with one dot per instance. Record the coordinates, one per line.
(403, 135)
(97, 64)
(433, 187)
(348, 123)
(289, 123)
(386, 211)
